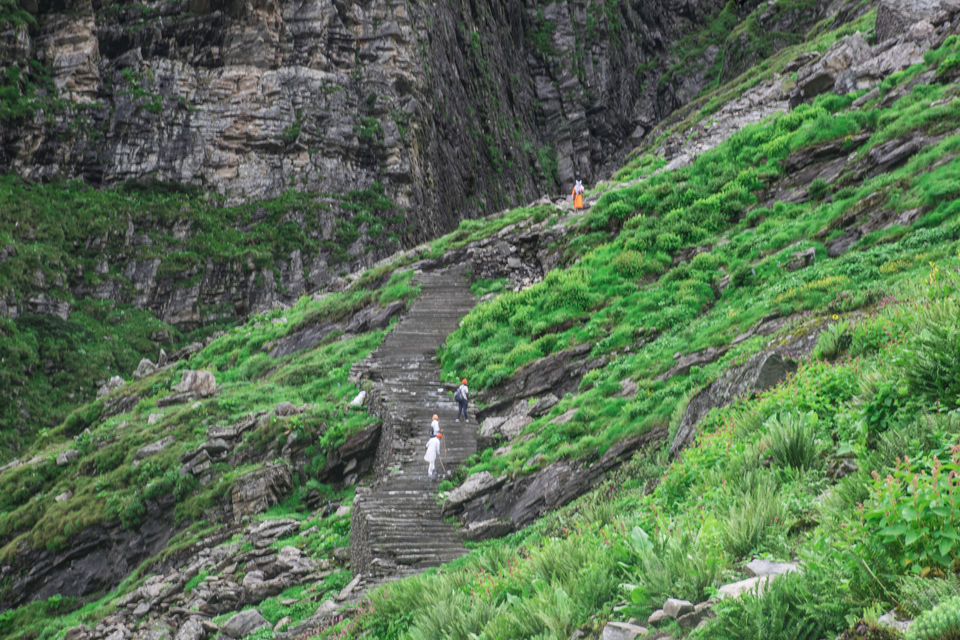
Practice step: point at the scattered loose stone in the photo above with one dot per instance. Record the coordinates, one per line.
(674, 608)
(622, 631)
(244, 623)
(67, 457)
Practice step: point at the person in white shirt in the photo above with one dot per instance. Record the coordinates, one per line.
(435, 425)
(433, 451)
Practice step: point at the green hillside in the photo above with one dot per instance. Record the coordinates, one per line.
(847, 467)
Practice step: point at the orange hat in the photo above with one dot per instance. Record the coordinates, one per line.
(435, 417)
(464, 381)
(439, 434)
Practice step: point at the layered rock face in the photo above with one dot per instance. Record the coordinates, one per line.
(457, 108)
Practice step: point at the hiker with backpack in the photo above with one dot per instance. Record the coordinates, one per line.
(578, 195)
(461, 395)
(435, 425)
(433, 452)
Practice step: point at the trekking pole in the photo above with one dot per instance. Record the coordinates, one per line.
(441, 465)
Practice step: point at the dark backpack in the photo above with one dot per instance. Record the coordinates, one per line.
(458, 395)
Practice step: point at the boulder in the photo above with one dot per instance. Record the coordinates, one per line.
(258, 491)
(63, 497)
(144, 369)
(358, 399)
(543, 406)
(476, 485)
(373, 318)
(284, 409)
(802, 259)
(895, 17)
(736, 589)
(112, 384)
(487, 529)
(154, 448)
(822, 75)
(760, 372)
(190, 629)
(674, 607)
(67, 457)
(622, 631)
(513, 425)
(81, 632)
(657, 617)
(760, 567)
(693, 618)
(200, 383)
(243, 624)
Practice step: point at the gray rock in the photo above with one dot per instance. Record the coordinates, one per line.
(144, 369)
(802, 259)
(543, 406)
(358, 399)
(258, 491)
(141, 610)
(190, 629)
(736, 589)
(154, 448)
(347, 590)
(81, 632)
(112, 384)
(286, 409)
(244, 623)
(761, 567)
(695, 618)
(895, 17)
(67, 457)
(200, 383)
(760, 372)
(491, 426)
(487, 529)
(891, 621)
(475, 485)
(622, 631)
(154, 418)
(674, 607)
(513, 425)
(657, 617)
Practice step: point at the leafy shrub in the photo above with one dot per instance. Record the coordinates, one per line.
(940, 623)
(818, 189)
(629, 264)
(793, 439)
(672, 565)
(833, 341)
(777, 613)
(914, 516)
(931, 358)
(746, 524)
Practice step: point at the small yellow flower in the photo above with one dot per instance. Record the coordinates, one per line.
(836, 317)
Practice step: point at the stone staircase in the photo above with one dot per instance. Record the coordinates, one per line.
(397, 528)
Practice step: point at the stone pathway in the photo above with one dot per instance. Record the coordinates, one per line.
(397, 528)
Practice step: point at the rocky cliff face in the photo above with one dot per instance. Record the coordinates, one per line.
(456, 108)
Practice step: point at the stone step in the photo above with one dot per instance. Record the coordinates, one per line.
(398, 525)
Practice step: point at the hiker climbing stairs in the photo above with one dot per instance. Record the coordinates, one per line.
(397, 528)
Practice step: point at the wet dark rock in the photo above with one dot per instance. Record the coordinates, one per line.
(522, 500)
(760, 372)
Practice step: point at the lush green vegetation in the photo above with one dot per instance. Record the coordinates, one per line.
(99, 243)
(849, 466)
(105, 483)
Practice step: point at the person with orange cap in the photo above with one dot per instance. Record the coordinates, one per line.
(461, 395)
(435, 425)
(433, 451)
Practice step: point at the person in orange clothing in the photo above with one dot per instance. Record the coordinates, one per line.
(578, 195)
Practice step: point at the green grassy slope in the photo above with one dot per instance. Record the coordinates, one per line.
(55, 238)
(849, 466)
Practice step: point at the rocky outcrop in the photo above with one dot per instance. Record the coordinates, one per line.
(97, 559)
(491, 506)
(760, 372)
(430, 100)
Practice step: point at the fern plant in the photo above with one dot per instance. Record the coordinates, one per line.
(793, 440)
